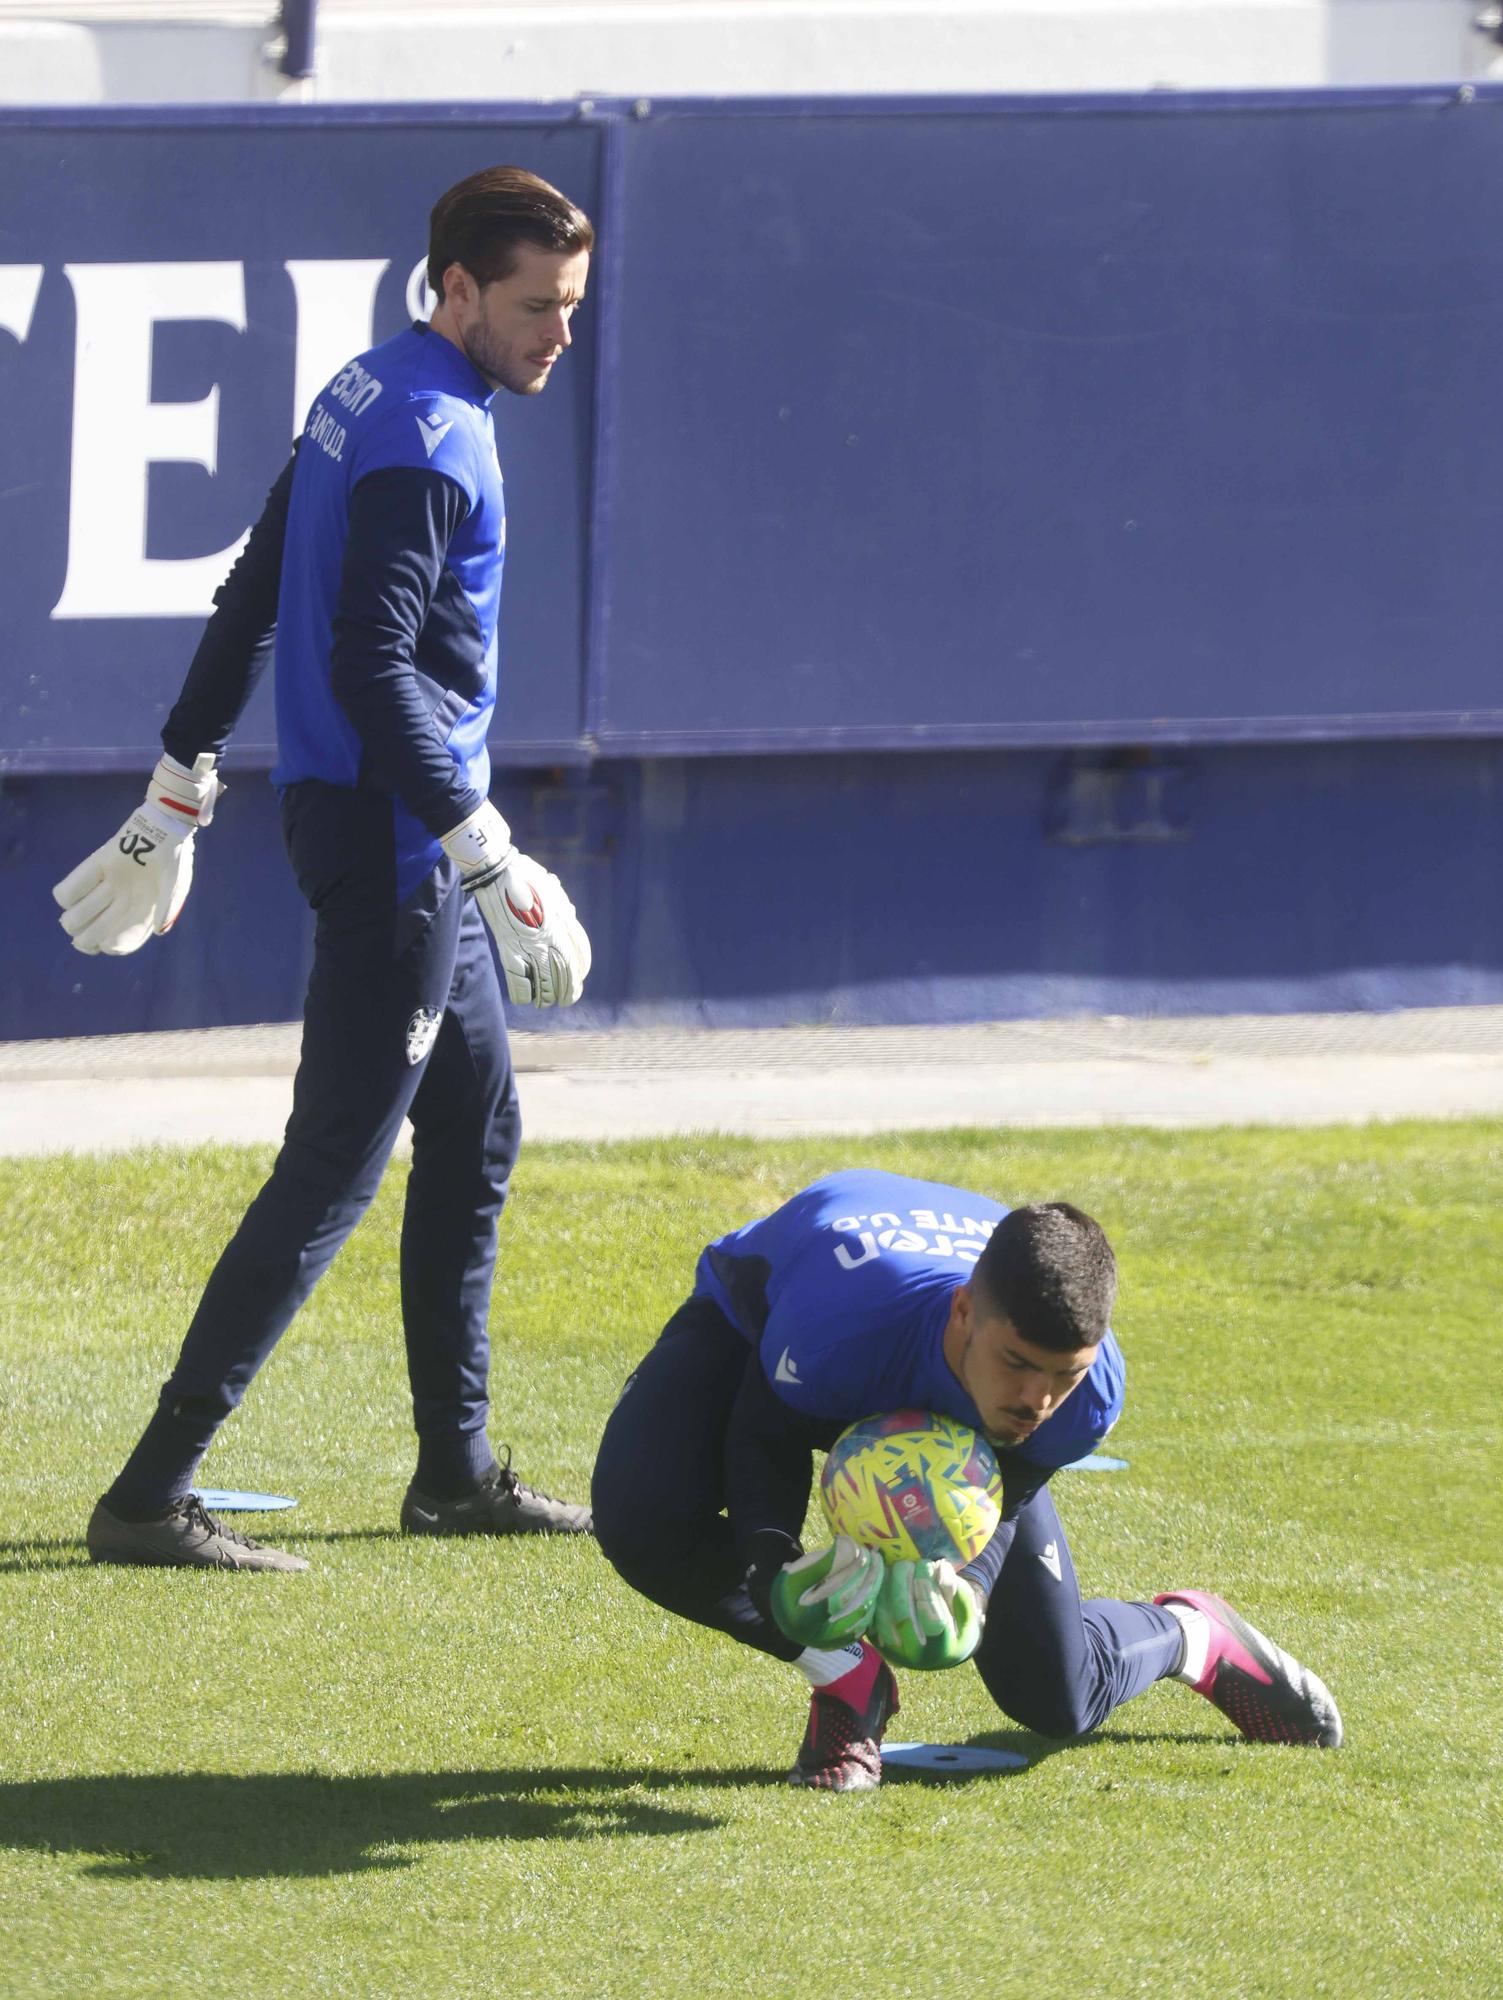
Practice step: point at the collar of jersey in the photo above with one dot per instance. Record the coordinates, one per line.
(457, 373)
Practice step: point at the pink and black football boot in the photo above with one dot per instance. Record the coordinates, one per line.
(1269, 1695)
(842, 1747)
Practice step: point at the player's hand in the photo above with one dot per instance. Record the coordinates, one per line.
(827, 1599)
(541, 943)
(133, 887)
(926, 1616)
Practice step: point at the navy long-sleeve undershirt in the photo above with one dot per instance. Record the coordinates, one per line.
(237, 641)
(401, 524)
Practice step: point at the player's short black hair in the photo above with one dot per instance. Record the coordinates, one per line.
(480, 222)
(1050, 1270)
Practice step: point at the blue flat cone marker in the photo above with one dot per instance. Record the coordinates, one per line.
(222, 1500)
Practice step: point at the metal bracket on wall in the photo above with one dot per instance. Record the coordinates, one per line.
(571, 817)
(1129, 795)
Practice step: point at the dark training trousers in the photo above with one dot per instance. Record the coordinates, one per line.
(1050, 1662)
(371, 1056)
(659, 1484)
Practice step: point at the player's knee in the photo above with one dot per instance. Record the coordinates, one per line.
(643, 1565)
(313, 1181)
(644, 1543)
(1062, 1712)
(1042, 1703)
(624, 1528)
(196, 1410)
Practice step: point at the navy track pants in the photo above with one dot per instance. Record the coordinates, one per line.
(403, 1018)
(1050, 1662)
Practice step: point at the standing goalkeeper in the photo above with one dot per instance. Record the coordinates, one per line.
(869, 1293)
(376, 566)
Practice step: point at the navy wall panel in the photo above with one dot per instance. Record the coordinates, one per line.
(1056, 421)
(949, 887)
(1135, 420)
(1082, 452)
(889, 888)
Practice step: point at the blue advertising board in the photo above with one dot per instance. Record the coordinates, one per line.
(889, 425)
(172, 295)
(1121, 465)
(1137, 419)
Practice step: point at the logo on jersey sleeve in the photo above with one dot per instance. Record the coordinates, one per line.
(433, 429)
(787, 1368)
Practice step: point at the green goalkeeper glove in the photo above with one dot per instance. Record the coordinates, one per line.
(926, 1616)
(827, 1599)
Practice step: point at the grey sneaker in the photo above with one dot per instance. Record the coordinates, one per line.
(187, 1537)
(504, 1505)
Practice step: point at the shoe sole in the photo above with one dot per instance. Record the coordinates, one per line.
(151, 1561)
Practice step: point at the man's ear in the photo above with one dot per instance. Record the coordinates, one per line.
(458, 285)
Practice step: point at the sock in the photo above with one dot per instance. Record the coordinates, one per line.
(452, 1466)
(159, 1472)
(1197, 1630)
(846, 1671)
(821, 1668)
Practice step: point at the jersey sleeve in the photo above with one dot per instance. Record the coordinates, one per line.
(1021, 1480)
(236, 644)
(423, 434)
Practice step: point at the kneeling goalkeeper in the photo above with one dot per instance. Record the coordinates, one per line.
(869, 1292)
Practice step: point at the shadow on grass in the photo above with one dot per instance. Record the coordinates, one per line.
(70, 1551)
(213, 1826)
(1037, 1748)
(275, 1528)
(61, 1552)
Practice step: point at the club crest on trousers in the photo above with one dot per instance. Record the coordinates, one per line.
(422, 1032)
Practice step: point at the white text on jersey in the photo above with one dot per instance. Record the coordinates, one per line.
(355, 388)
(325, 433)
(963, 1237)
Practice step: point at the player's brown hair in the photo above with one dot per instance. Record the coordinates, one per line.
(481, 221)
(1050, 1270)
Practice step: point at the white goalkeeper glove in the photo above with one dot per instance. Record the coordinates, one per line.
(133, 887)
(541, 943)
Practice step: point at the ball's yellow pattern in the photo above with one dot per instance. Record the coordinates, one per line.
(918, 1486)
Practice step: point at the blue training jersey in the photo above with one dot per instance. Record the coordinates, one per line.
(402, 586)
(845, 1291)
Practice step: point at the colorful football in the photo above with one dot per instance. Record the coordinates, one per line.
(918, 1486)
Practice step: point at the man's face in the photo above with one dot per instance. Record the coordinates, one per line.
(516, 327)
(1014, 1384)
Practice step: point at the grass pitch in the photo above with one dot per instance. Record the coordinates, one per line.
(445, 1769)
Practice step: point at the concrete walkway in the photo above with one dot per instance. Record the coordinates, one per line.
(234, 1084)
